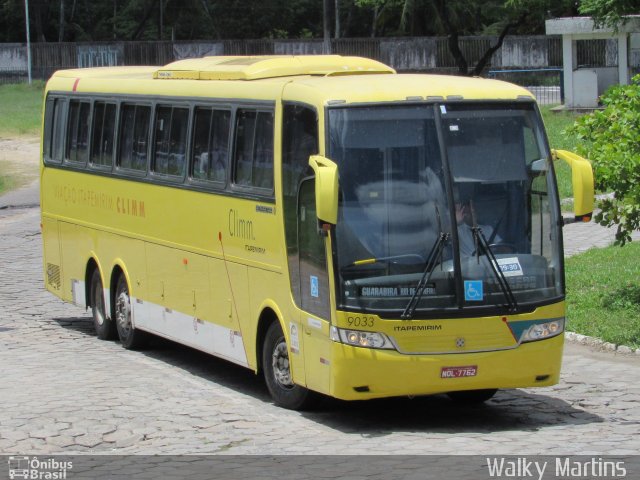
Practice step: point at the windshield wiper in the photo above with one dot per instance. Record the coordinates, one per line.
(370, 261)
(481, 243)
(434, 255)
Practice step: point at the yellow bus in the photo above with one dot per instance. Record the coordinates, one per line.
(343, 229)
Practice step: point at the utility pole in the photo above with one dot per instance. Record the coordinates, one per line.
(26, 13)
(326, 44)
(336, 11)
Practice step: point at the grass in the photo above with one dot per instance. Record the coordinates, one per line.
(21, 109)
(603, 297)
(20, 114)
(5, 183)
(555, 123)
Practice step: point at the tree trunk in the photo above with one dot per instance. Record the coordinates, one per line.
(40, 15)
(61, 22)
(141, 26)
(336, 33)
(482, 63)
(326, 43)
(453, 37)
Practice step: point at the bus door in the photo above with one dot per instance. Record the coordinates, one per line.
(314, 289)
(309, 325)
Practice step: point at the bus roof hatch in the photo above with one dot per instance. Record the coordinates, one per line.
(254, 68)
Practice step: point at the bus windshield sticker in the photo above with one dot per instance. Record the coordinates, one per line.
(473, 291)
(443, 109)
(510, 267)
(314, 286)
(403, 291)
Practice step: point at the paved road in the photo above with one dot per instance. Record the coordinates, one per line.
(64, 391)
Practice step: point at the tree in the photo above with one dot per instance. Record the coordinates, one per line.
(610, 141)
(609, 12)
(457, 18)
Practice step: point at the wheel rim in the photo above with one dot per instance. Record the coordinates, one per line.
(98, 304)
(280, 364)
(123, 313)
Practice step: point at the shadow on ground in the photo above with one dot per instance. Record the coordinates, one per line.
(508, 410)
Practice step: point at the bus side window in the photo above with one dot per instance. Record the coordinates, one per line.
(254, 149)
(170, 141)
(263, 151)
(134, 137)
(103, 136)
(53, 130)
(210, 156)
(78, 132)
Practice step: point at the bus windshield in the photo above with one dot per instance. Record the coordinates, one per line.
(445, 207)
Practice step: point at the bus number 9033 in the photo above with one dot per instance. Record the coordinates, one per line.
(361, 321)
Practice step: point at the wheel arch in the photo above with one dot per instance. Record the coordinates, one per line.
(269, 314)
(117, 270)
(92, 265)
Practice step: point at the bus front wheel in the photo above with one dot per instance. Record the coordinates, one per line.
(130, 338)
(277, 372)
(105, 327)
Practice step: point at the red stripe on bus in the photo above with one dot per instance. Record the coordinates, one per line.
(75, 84)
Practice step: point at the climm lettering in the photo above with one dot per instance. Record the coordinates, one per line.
(128, 206)
(240, 227)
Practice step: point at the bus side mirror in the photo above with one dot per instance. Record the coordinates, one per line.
(582, 182)
(326, 173)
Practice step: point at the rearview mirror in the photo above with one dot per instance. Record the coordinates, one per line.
(582, 182)
(326, 173)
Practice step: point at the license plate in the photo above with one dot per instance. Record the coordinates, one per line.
(459, 372)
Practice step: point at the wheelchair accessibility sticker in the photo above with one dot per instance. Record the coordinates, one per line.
(473, 291)
(315, 288)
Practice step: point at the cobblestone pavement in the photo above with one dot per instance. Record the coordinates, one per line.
(64, 391)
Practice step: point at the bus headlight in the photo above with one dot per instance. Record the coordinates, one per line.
(540, 331)
(359, 338)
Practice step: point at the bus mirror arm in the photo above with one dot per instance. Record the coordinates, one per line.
(326, 188)
(582, 182)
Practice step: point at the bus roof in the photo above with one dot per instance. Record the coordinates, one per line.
(317, 79)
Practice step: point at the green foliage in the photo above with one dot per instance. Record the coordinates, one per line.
(609, 12)
(108, 20)
(610, 139)
(603, 295)
(21, 109)
(5, 183)
(555, 124)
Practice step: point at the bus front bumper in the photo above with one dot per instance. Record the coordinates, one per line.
(362, 373)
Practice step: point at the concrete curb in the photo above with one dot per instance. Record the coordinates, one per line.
(600, 344)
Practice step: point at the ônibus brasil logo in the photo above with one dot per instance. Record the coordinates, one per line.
(33, 468)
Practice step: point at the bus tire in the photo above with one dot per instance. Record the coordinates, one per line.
(105, 326)
(130, 338)
(472, 397)
(277, 372)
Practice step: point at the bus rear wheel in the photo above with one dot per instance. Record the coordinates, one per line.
(277, 372)
(130, 338)
(105, 326)
(472, 397)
